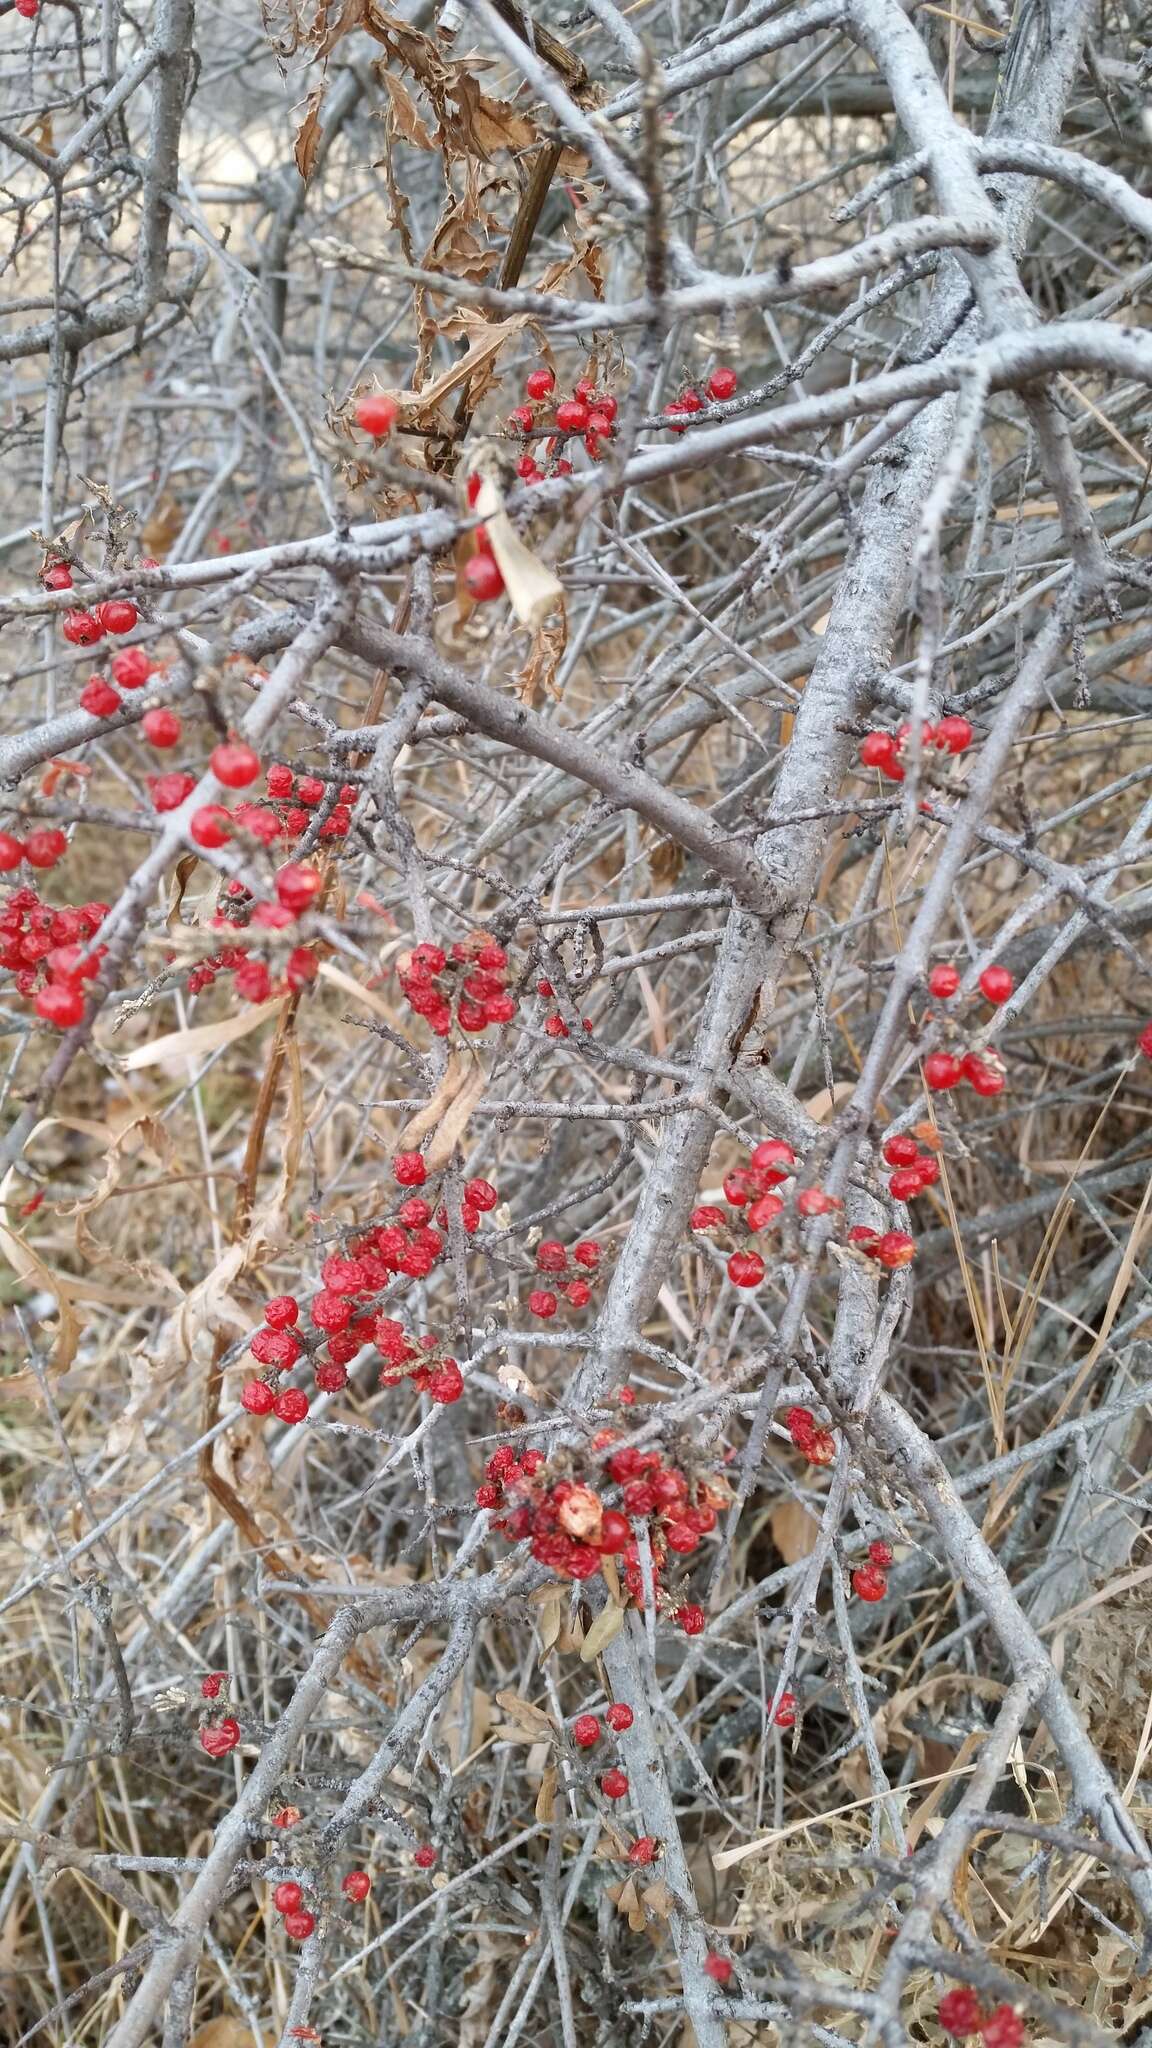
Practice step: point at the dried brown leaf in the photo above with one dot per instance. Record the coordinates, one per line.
(309, 134)
(604, 1630)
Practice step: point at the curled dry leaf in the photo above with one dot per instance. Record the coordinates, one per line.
(533, 589)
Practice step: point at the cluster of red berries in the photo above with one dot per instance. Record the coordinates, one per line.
(996, 983)
(295, 797)
(48, 950)
(571, 1529)
(587, 412)
(914, 1170)
(586, 1733)
(288, 1900)
(468, 983)
(982, 1070)
(870, 1581)
(884, 750)
(253, 978)
(750, 1190)
(960, 2013)
(721, 387)
(131, 668)
(817, 1445)
(83, 629)
(552, 1258)
(42, 849)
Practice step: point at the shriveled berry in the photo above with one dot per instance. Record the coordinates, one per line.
(542, 1303)
(643, 1851)
(1003, 2028)
(895, 1249)
(409, 1170)
(708, 1218)
(291, 1406)
(220, 1736)
(282, 1311)
(99, 699)
(257, 1397)
(480, 1194)
(212, 1684)
(425, 1856)
(880, 1553)
(692, 1620)
(959, 2012)
(901, 1150)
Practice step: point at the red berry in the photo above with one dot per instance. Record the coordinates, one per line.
(551, 1256)
(539, 383)
(746, 1269)
(614, 1784)
(785, 1715)
(488, 1495)
(331, 1378)
(722, 384)
(1003, 2028)
(904, 1184)
(738, 1187)
(572, 416)
(708, 1218)
(99, 699)
(277, 1348)
(409, 1170)
(997, 984)
(615, 1532)
(585, 1731)
(959, 2011)
(944, 981)
(170, 791)
(1144, 1042)
(213, 1684)
(291, 1405)
(717, 1967)
(693, 1620)
(282, 1311)
(279, 780)
(643, 1851)
(542, 1303)
(234, 764)
(287, 1897)
(981, 1075)
(881, 750)
(880, 1553)
(555, 1027)
(895, 1249)
(44, 848)
(578, 1293)
(869, 1583)
(484, 577)
(941, 1070)
(12, 853)
(901, 1150)
(814, 1202)
(220, 1737)
(211, 825)
(446, 1384)
(131, 668)
(297, 886)
(82, 629)
(376, 414)
(119, 615)
(425, 1856)
(257, 1397)
(953, 734)
(619, 1717)
(58, 576)
(480, 1194)
(61, 1004)
(522, 418)
(356, 1886)
(161, 728)
(298, 1926)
